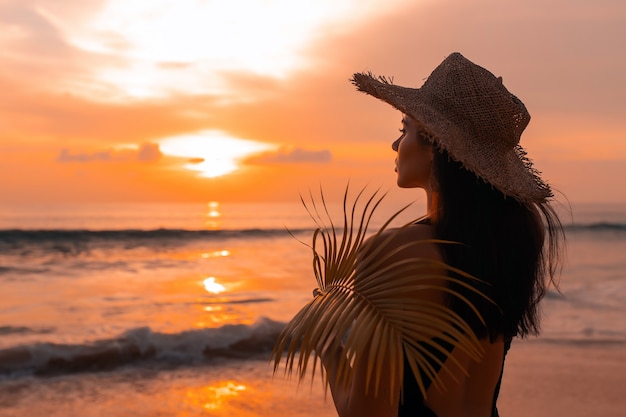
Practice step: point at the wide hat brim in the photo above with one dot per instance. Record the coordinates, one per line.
(465, 109)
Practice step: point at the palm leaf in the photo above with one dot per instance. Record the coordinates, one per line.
(389, 322)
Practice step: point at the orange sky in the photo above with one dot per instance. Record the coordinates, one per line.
(92, 90)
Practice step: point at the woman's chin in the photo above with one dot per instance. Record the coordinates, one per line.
(402, 183)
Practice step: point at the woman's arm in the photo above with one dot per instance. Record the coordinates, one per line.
(361, 397)
(358, 398)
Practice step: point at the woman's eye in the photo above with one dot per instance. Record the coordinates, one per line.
(403, 131)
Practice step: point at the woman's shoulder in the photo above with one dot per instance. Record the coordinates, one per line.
(413, 240)
(410, 233)
(408, 252)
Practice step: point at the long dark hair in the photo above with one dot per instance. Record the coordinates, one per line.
(514, 248)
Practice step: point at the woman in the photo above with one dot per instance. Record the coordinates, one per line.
(460, 143)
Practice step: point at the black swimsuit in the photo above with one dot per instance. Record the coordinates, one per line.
(412, 402)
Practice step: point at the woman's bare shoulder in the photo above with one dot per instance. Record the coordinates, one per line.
(405, 252)
(413, 231)
(412, 240)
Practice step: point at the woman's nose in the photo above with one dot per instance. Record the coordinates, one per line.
(396, 143)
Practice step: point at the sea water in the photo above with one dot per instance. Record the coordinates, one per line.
(173, 309)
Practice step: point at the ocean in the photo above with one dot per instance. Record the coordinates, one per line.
(172, 309)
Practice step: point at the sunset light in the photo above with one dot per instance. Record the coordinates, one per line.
(215, 254)
(213, 397)
(211, 153)
(155, 156)
(190, 46)
(199, 100)
(214, 209)
(213, 287)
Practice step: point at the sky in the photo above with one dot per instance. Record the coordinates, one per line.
(250, 100)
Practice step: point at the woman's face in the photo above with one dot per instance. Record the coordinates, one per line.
(415, 156)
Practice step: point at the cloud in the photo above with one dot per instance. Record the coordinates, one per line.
(34, 34)
(146, 152)
(174, 65)
(67, 156)
(149, 152)
(292, 155)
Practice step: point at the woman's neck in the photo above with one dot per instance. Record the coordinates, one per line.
(432, 201)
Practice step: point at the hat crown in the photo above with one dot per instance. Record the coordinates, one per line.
(475, 100)
(466, 110)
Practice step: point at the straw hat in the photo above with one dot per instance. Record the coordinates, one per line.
(467, 111)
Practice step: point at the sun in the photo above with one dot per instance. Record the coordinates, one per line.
(212, 153)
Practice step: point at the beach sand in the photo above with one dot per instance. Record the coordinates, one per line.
(541, 379)
(554, 379)
(545, 379)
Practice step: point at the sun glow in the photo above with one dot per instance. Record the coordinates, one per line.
(215, 254)
(212, 286)
(191, 46)
(214, 397)
(212, 153)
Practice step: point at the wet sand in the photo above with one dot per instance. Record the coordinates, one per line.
(544, 379)
(541, 379)
(557, 379)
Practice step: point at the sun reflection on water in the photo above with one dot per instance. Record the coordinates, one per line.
(215, 254)
(213, 209)
(213, 214)
(213, 397)
(212, 286)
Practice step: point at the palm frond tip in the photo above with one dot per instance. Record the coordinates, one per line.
(388, 320)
